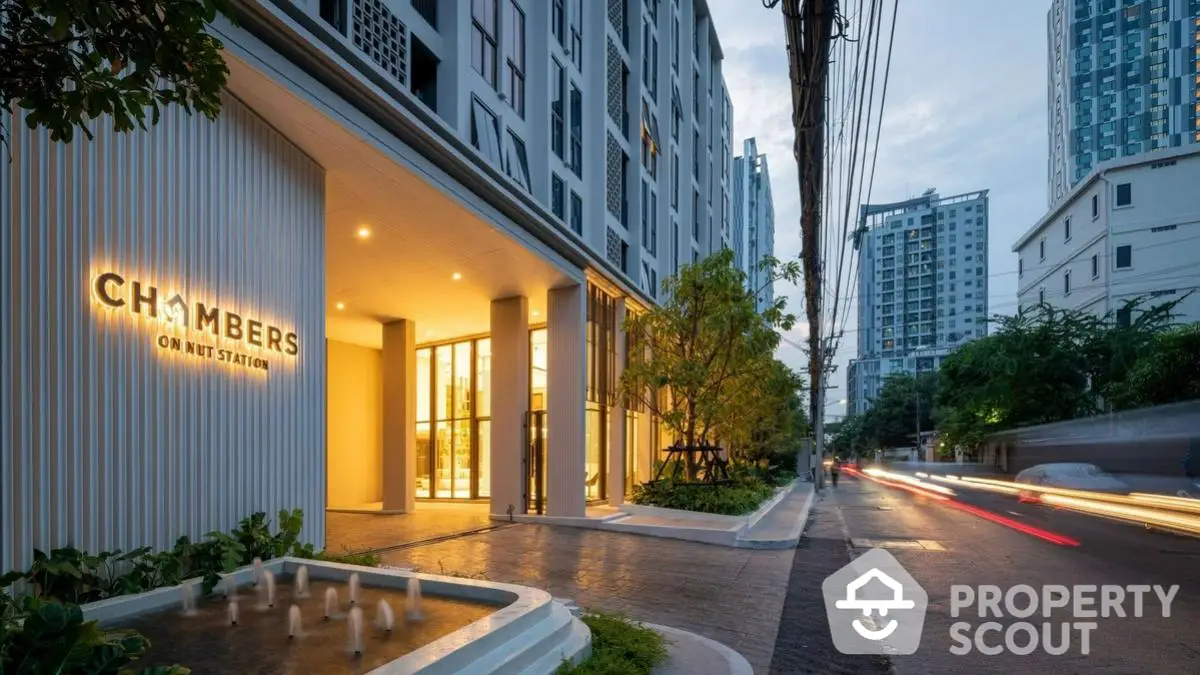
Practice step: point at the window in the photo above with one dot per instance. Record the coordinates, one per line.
(483, 39)
(558, 22)
(696, 156)
(1095, 206)
(557, 199)
(696, 215)
(514, 82)
(576, 131)
(558, 103)
(576, 19)
(518, 164)
(1124, 256)
(1020, 266)
(1095, 265)
(485, 132)
(1124, 194)
(675, 43)
(675, 180)
(1042, 249)
(1042, 295)
(576, 213)
(1067, 282)
(1124, 317)
(650, 59)
(1067, 229)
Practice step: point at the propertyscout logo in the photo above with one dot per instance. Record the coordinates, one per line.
(876, 607)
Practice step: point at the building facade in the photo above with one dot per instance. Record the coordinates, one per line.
(753, 219)
(922, 286)
(1128, 231)
(1123, 79)
(403, 252)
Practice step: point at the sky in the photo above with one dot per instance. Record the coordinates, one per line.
(965, 111)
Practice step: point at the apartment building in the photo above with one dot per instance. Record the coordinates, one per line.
(753, 220)
(1123, 80)
(922, 286)
(400, 256)
(1127, 231)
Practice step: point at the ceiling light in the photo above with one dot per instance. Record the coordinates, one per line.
(456, 276)
(340, 306)
(363, 232)
(535, 312)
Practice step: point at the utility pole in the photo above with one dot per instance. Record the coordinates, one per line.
(809, 31)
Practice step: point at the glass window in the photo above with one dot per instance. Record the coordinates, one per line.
(518, 164)
(462, 380)
(514, 82)
(558, 111)
(537, 362)
(485, 132)
(1124, 194)
(484, 473)
(594, 459)
(557, 198)
(483, 39)
(483, 378)
(444, 382)
(1124, 256)
(576, 213)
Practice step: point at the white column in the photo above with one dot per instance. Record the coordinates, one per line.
(510, 403)
(566, 352)
(616, 419)
(399, 416)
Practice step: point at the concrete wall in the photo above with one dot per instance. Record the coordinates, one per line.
(355, 424)
(109, 441)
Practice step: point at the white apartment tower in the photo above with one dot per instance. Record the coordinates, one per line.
(753, 219)
(1123, 78)
(922, 286)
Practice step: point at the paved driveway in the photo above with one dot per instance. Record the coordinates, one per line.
(734, 596)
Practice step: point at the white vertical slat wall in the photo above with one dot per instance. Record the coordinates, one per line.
(107, 441)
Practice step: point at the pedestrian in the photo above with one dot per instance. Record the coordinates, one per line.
(834, 469)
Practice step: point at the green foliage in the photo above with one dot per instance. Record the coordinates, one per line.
(703, 360)
(53, 638)
(736, 499)
(363, 559)
(68, 62)
(1169, 373)
(1047, 365)
(619, 647)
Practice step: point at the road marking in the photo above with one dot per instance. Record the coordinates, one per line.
(910, 544)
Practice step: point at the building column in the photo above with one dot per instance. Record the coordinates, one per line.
(616, 417)
(510, 404)
(566, 353)
(399, 416)
(646, 447)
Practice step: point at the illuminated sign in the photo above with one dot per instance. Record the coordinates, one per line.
(203, 321)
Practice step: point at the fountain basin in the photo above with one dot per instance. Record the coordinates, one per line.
(510, 629)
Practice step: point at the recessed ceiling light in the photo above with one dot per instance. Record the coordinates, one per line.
(341, 306)
(536, 313)
(363, 232)
(456, 276)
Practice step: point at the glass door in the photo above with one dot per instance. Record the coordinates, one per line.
(535, 427)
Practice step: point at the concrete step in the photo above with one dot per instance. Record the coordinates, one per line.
(553, 638)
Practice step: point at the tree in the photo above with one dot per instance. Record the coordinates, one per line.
(892, 418)
(1169, 373)
(68, 62)
(704, 356)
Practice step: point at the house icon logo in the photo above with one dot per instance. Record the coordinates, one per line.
(875, 606)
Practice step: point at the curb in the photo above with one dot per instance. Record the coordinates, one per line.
(793, 538)
(736, 663)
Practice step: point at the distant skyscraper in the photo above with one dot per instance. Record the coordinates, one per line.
(753, 218)
(1123, 78)
(922, 286)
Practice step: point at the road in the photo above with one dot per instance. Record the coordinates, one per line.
(979, 551)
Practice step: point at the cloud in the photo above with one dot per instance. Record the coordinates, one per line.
(965, 111)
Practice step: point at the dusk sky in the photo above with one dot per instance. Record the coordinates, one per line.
(965, 111)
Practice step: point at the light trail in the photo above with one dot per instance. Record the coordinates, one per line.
(921, 488)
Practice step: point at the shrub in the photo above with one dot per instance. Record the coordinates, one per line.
(619, 647)
(736, 499)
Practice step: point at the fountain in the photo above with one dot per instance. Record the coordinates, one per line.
(230, 586)
(188, 593)
(294, 622)
(355, 628)
(258, 570)
(412, 599)
(302, 582)
(331, 602)
(269, 585)
(232, 611)
(385, 619)
(354, 588)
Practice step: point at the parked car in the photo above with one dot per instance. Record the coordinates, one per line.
(1071, 476)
